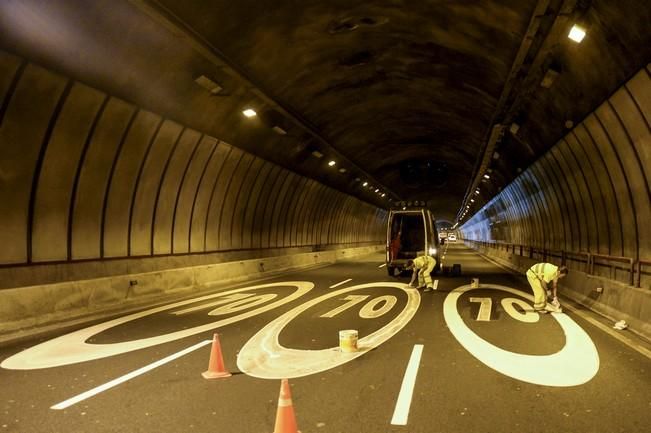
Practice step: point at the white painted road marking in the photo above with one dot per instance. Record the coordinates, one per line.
(340, 283)
(485, 306)
(403, 404)
(128, 376)
(72, 348)
(263, 356)
(575, 364)
(382, 265)
(436, 284)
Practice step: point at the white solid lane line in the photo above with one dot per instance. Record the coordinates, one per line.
(340, 283)
(401, 412)
(382, 265)
(121, 379)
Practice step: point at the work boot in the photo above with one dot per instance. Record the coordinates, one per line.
(553, 308)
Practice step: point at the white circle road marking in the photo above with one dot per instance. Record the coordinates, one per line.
(575, 364)
(72, 348)
(264, 357)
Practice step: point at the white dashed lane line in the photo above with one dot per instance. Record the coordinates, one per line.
(108, 385)
(382, 265)
(340, 283)
(401, 412)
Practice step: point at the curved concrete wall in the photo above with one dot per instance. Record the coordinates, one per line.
(591, 192)
(88, 177)
(586, 203)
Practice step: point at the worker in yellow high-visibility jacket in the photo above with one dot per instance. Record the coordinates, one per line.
(540, 276)
(422, 267)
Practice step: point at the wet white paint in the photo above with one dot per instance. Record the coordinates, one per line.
(72, 348)
(401, 412)
(264, 357)
(115, 382)
(575, 364)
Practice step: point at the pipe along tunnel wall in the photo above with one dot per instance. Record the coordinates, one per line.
(97, 193)
(586, 203)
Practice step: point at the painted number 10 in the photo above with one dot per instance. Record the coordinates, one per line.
(372, 309)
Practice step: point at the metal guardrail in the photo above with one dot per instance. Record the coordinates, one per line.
(641, 262)
(618, 259)
(633, 267)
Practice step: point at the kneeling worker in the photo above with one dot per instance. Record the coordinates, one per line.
(422, 267)
(539, 276)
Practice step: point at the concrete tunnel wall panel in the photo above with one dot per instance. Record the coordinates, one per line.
(92, 177)
(590, 193)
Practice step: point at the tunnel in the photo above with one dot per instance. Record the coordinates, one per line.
(155, 150)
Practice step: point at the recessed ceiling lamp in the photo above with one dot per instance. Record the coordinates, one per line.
(208, 84)
(549, 78)
(577, 33)
(279, 130)
(249, 112)
(331, 163)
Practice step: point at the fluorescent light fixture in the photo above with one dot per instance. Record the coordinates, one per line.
(377, 190)
(549, 78)
(486, 176)
(477, 192)
(365, 184)
(208, 84)
(577, 33)
(279, 130)
(249, 112)
(404, 208)
(317, 154)
(383, 194)
(472, 200)
(331, 163)
(342, 170)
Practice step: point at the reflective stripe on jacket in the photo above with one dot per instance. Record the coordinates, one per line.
(422, 262)
(545, 271)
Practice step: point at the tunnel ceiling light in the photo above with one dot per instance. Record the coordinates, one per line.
(549, 78)
(342, 170)
(486, 176)
(472, 200)
(383, 194)
(278, 130)
(377, 190)
(317, 154)
(577, 33)
(208, 84)
(365, 184)
(331, 163)
(249, 112)
(477, 192)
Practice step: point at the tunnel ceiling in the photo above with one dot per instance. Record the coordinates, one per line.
(403, 95)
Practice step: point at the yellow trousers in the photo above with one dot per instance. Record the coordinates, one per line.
(539, 292)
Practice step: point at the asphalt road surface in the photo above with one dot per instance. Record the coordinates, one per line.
(456, 360)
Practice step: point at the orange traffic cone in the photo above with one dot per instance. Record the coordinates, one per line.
(216, 364)
(285, 419)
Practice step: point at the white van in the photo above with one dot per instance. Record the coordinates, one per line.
(411, 233)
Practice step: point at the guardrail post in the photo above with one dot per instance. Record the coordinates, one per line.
(631, 272)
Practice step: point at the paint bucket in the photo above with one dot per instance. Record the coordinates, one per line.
(348, 340)
(474, 283)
